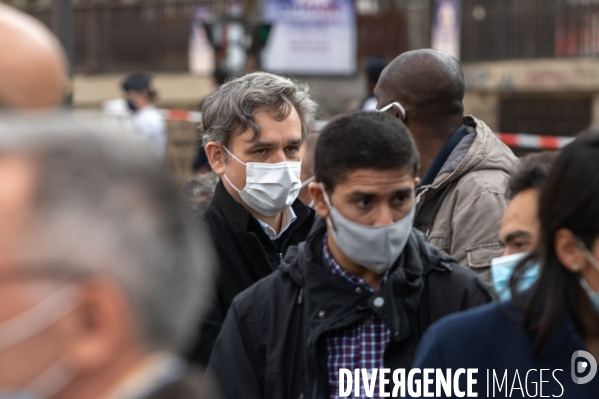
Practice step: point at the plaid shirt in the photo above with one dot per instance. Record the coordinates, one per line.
(360, 346)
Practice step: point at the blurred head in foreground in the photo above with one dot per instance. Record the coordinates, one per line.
(100, 277)
(33, 67)
(568, 249)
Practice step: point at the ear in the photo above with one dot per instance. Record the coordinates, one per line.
(216, 157)
(417, 181)
(100, 330)
(567, 250)
(320, 205)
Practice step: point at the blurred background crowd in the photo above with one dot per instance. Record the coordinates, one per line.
(529, 64)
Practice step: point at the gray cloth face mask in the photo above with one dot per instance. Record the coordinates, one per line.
(374, 247)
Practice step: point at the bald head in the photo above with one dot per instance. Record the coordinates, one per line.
(428, 83)
(32, 63)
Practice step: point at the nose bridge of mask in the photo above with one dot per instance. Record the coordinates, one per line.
(38, 318)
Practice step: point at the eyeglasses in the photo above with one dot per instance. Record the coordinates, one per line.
(396, 105)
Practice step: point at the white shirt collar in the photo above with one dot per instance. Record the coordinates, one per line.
(288, 217)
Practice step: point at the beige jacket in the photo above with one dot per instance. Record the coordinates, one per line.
(461, 211)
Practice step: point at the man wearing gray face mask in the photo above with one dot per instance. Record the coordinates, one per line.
(363, 288)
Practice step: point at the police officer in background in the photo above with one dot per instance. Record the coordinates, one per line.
(148, 123)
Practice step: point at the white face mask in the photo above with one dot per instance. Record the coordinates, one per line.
(28, 324)
(373, 247)
(270, 188)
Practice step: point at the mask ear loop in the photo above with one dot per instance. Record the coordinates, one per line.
(308, 181)
(330, 221)
(590, 258)
(587, 254)
(237, 159)
(225, 175)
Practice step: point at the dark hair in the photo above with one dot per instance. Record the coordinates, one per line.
(363, 140)
(531, 172)
(141, 83)
(568, 200)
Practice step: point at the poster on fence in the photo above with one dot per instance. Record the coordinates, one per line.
(311, 37)
(446, 26)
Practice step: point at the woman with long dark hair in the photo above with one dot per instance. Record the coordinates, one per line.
(545, 337)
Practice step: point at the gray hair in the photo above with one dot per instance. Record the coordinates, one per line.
(232, 109)
(105, 206)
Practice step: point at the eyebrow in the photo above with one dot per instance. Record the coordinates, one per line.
(271, 144)
(362, 194)
(516, 234)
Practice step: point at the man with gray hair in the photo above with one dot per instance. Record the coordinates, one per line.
(253, 128)
(101, 279)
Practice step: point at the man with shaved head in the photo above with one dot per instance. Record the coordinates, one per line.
(464, 167)
(32, 63)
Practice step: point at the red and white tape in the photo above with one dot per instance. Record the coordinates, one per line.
(520, 140)
(523, 140)
(179, 115)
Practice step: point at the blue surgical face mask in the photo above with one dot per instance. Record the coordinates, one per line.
(502, 269)
(593, 296)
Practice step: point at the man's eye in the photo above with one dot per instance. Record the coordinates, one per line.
(260, 152)
(292, 150)
(363, 203)
(400, 199)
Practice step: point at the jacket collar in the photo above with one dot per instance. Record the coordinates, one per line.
(442, 157)
(479, 149)
(239, 218)
(332, 302)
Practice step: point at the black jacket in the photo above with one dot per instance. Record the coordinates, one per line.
(193, 385)
(272, 342)
(246, 255)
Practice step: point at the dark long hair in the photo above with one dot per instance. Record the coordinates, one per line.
(569, 199)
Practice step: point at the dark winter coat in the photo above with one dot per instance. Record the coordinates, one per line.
(246, 255)
(272, 344)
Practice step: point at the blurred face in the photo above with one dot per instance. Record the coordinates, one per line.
(370, 197)
(136, 99)
(21, 361)
(279, 141)
(51, 325)
(520, 225)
